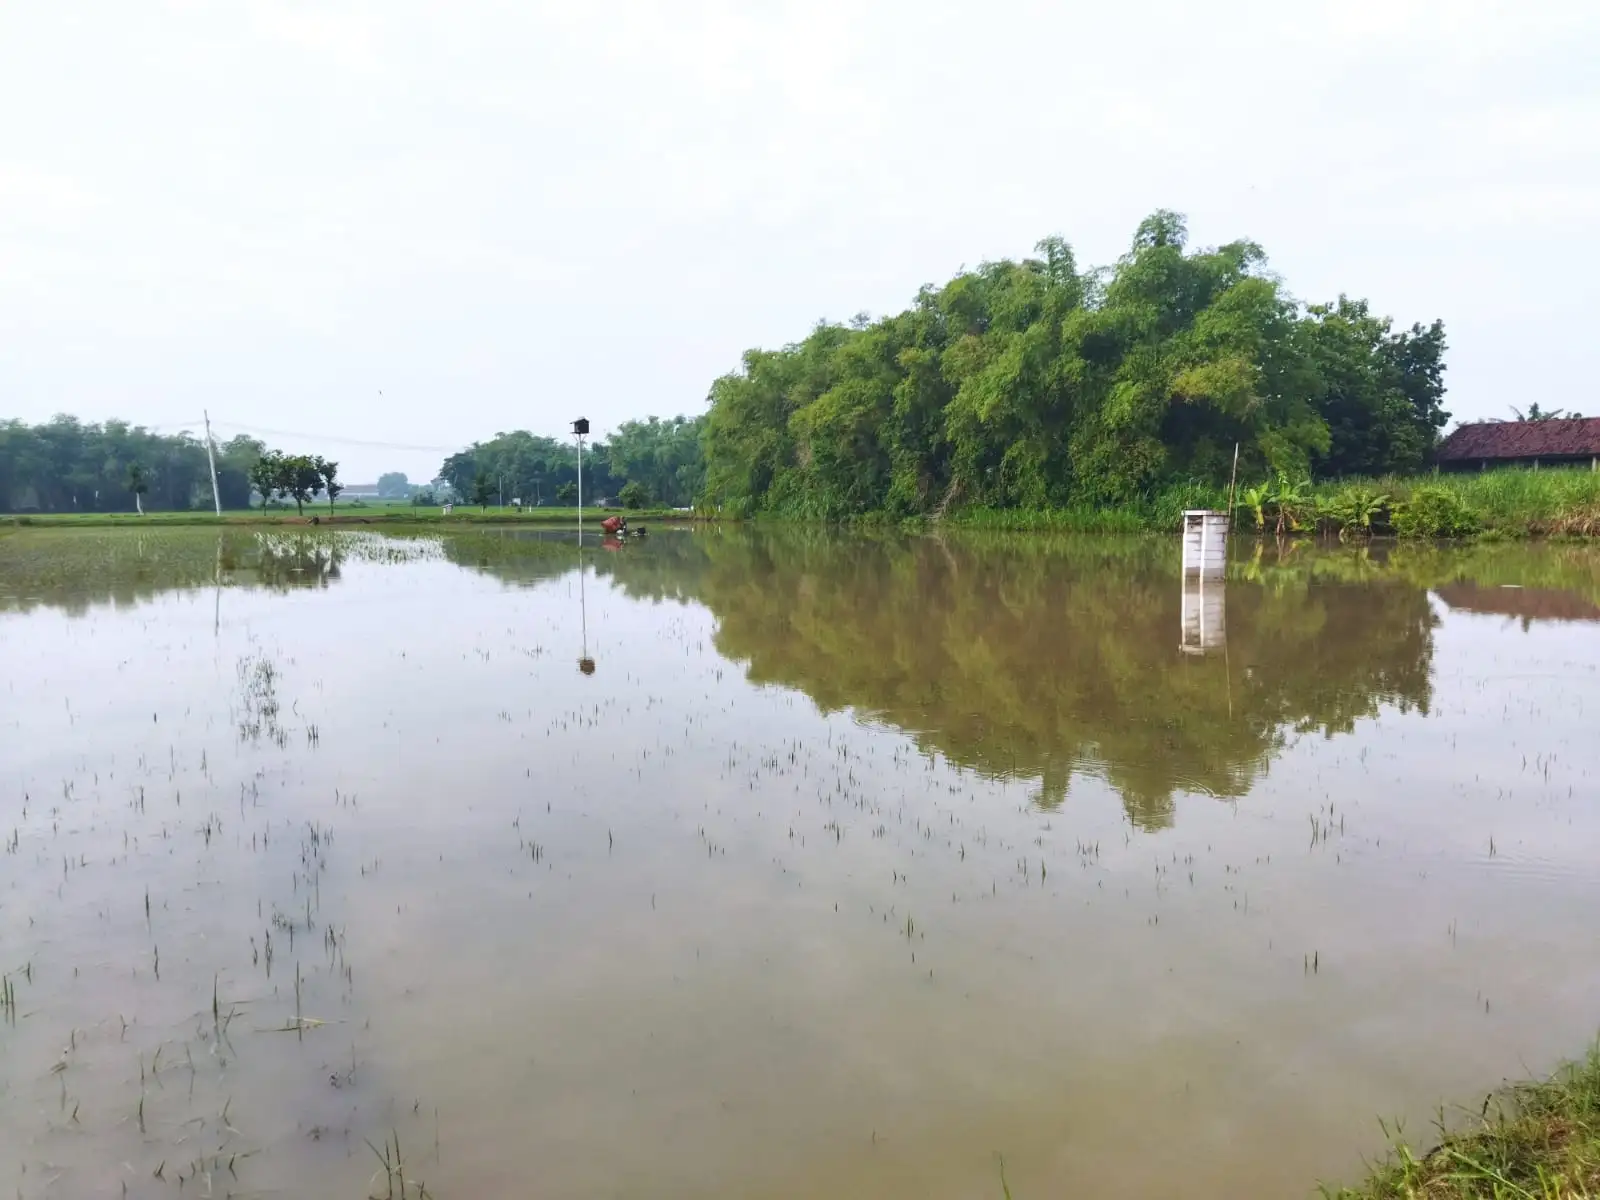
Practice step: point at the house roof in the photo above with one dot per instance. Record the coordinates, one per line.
(1576, 437)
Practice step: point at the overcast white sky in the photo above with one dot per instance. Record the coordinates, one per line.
(503, 214)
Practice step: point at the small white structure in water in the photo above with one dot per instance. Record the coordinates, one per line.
(1205, 542)
(1203, 619)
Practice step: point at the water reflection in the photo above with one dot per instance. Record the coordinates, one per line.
(1203, 623)
(661, 886)
(76, 571)
(1027, 658)
(1041, 659)
(1526, 605)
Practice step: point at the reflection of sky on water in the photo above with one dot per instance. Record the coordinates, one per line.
(853, 862)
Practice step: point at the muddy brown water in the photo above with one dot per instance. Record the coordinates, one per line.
(855, 867)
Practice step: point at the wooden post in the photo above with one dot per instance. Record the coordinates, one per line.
(1232, 484)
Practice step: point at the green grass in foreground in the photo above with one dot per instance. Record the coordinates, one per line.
(1539, 1141)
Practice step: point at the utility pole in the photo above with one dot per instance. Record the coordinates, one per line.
(585, 663)
(211, 457)
(580, 427)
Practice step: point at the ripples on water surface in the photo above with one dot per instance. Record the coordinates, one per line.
(854, 864)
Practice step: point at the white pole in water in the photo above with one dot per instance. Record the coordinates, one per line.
(580, 427)
(585, 664)
(211, 457)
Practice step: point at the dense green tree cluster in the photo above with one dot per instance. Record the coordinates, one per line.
(661, 456)
(527, 467)
(65, 465)
(1035, 384)
(297, 477)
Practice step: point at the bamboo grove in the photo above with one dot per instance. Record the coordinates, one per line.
(1040, 385)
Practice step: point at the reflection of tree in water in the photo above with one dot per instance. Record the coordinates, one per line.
(78, 570)
(1035, 658)
(661, 568)
(1032, 658)
(1038, 658)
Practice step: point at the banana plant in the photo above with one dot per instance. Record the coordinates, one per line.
(1293, 503)
(1362, 507)
(1256, 501)
(1352, 510)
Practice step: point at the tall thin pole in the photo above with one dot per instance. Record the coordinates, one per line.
(1231, 482)
(580, 489)
(216, 494)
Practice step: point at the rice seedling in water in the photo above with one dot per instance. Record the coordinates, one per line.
(393, 1170)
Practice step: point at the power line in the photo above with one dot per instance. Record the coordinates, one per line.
(343, 441)
(156, 426)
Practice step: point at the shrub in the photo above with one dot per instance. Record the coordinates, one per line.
(633, 494)
(1434, 512)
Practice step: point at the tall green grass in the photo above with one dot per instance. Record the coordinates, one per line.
(1511, 502)
(1539, 1141)
(1162, 510)
(1518, 501)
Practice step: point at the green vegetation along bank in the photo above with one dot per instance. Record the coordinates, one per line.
(1538, 1141)
(1509, 503)
(385, 515)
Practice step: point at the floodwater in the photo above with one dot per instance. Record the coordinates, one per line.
(744, 863)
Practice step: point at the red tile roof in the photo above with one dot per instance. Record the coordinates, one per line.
(1577, 437)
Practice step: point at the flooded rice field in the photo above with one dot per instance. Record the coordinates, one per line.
(744, 863)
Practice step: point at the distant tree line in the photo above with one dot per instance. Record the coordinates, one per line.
(653, 461)
(1022, 385)
(1035, 384)
(66, 465)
